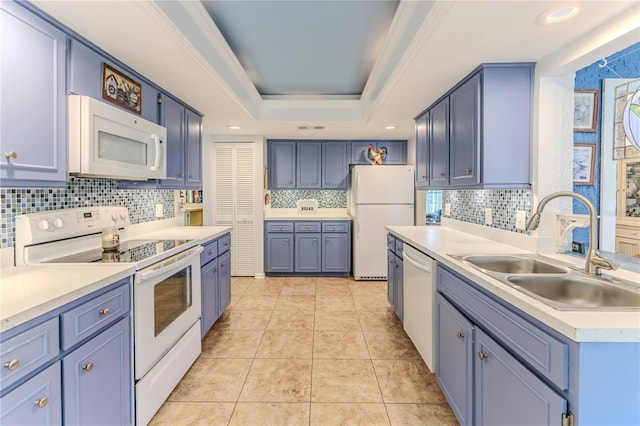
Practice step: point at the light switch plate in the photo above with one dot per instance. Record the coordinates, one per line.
(447, 209)
(159, 210)
(521, 219)
(488, 216)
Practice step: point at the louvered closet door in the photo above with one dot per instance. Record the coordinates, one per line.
(234, 202)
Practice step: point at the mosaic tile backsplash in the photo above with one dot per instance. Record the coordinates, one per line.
(80, 192)
(286, 199)
(468, 206)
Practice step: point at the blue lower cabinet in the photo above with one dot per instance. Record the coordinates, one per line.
(279, 252)
(336, 255)
(38, 401)
(215, 279)
(210, 298)
(308, 253)
(97, 379)
(224, 281)
(395, 278)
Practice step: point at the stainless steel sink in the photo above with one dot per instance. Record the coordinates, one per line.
(577, 291)
(512, 264)
(555, 283)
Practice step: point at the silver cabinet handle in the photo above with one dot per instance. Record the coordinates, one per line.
(468, 171)
(105, 311)
(11, 155)
(482, 355)
(442, 174)
(88, 367)
(226, 244)
(13, 364)
(286, 240)
(42, 402)
(210, 251)
(315, 240)
(460, 335)
(222, 265)
(424, 176)
(180, 175)
(215, 269)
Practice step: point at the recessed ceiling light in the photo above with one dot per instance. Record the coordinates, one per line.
(561, 14)
(234, 127)
(390, 127)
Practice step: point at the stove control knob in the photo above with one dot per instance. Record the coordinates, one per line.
(43, 224)
(58, 223)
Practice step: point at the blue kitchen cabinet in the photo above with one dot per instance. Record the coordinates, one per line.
(86, 67)
(36, 402)
(422, 151)
(396, 151)
(279, 246)
(454, 359)
(464, 135)
(97, 379)
(336, 246)
(308, 253)
(438, 128)
(473, 127)
(308, 168)
(335, 165)
(395, 271)
(215, 279)
(508, 393)
(32, 99)
(193, 138)
(281, 157)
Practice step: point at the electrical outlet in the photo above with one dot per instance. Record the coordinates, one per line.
(447, 209)
(577, 247)
(159, 210)
(521, 219)
(488, 216)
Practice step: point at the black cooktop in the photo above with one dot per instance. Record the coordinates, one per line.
(131, 251)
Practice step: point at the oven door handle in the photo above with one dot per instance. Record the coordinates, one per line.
(175, 262)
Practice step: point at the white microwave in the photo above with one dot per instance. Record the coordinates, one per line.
(107, 142)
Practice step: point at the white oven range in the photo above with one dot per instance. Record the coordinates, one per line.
(166, 289)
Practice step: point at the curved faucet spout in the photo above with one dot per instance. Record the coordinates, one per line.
(594, 260)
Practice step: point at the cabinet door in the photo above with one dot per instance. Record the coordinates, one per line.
(464, 107)
(454, 359)
(224, 281)
(336, 255)
(193, 138)
(32, 99)
(359, 151)
(173, 119)
(508, 393)
(97, 379)
(279, 253)
(38, 401)
(438, 128)
(422, 152)
(391, 282)
(210, 297)
(396, 151)
(335, 165)
(282, 164)
(307, 253)
(399, 288)
(308, 158)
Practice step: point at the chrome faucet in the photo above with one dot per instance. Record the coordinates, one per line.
(594, 260)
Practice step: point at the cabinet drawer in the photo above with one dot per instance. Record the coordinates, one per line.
(542, 351)
(307, 226)
(209, 252)
(25, 352)
(224, 243)
(391, 242)
(628, 232)
(93, 315)
(335, 226)
(279, 226)
(399, 247)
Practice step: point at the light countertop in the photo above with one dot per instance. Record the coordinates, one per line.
(292, 214)
(27, 292)
(580, 326)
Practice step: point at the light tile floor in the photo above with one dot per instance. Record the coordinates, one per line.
(307, 351)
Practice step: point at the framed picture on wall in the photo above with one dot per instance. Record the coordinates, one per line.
(585, 110)
(121, 90)
(584, 160)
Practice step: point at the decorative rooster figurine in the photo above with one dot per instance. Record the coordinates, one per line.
(376, 157)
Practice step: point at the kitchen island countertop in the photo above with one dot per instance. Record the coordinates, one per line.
(580, 326)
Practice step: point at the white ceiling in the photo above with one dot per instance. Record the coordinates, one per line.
(430, 46)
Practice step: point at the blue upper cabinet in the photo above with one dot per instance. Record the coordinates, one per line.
(282, 164)
(308, 169)
(173, 118)
(422, 151)
(396, 151)
(335, 165)
(86, 75)
(32, 99)
(193, 138)
(488, 119)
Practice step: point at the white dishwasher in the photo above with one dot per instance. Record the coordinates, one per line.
(419, 280)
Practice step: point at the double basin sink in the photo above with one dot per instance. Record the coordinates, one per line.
(560, 287)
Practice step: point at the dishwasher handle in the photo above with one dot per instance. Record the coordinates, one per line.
(415, 262)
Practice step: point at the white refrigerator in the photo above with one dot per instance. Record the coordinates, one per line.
(379, 196)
